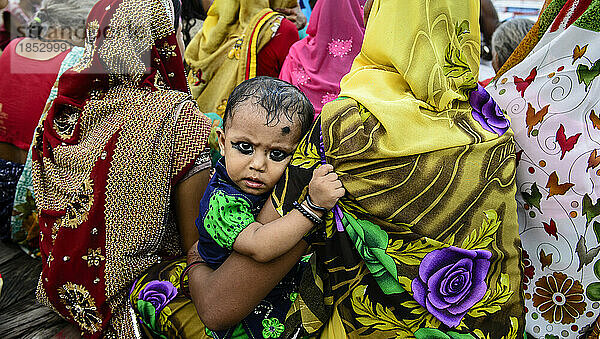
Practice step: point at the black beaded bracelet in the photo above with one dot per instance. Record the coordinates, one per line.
(313, 205)
(307, 214)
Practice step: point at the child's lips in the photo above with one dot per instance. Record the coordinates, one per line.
(253, 183)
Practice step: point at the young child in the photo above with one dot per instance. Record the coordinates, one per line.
(264, 121)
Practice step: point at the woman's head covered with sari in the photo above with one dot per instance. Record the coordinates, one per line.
(425, 242)
(424, 64)
(317, 63)
(120, 135)
(224, 53)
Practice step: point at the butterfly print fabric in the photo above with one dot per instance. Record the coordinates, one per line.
(551, 98)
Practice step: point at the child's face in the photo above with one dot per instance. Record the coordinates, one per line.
(256, 155)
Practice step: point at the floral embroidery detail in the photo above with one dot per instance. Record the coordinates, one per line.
(328, 97)
(293, 296)
(300, 76)
(236, 50)
(50, 259)
(559, 298)
(339, 47)
(65, 122)
(93, 257)
(81, 306)
(451, 280)
(167, 51)
(90, 47)
(528, 270)
(159, 81)
(487, 112)
(78, 209)
(272, 328)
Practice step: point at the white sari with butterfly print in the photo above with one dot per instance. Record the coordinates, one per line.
(553, 101)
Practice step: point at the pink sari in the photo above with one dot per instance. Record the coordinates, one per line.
(317, 63)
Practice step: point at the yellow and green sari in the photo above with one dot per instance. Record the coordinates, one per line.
(425, 242)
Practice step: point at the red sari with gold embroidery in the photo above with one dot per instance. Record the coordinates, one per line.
(121, 133)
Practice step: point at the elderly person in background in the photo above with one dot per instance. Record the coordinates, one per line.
(29, 67)
(506, 38)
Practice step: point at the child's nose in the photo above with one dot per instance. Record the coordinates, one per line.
(259, 162)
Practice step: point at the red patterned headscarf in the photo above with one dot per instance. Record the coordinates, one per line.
(121, 49)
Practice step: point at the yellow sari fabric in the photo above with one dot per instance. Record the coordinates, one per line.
(425, 242)
(223, 53)
(421, 59)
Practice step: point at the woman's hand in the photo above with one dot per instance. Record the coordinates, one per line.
(294, 15)
(325, 188)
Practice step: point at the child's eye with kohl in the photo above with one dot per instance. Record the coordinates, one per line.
(278, 156)
(243, 147)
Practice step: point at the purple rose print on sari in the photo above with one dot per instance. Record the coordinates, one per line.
(158, 293)
(451, 280)
(487, 112)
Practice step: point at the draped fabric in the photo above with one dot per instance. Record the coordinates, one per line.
(551, 98)
(317, 63)
(425, 242)
(25, 229)
(224, 53)
(121, 132)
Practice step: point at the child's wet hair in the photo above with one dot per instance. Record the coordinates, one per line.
(277, 97)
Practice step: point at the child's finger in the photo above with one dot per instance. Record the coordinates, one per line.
(323, 170)
(337, 184)
(331, 176)
(339, 192)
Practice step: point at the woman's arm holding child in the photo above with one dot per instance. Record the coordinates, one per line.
(267, 242)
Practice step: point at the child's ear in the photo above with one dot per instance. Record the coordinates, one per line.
(221, 140)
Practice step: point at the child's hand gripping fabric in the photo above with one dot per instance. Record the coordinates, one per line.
(269, 241)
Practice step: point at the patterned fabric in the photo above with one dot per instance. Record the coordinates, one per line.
(429, 244)
(160, 305)
(226, 217)
(548, 12)
(117, 138)
(9, 176)
(224, 212)
(25, 229)
(224, 53)
(165, 312)
(317, 63)
(551, 97)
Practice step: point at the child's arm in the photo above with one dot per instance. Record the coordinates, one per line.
(266, 242)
